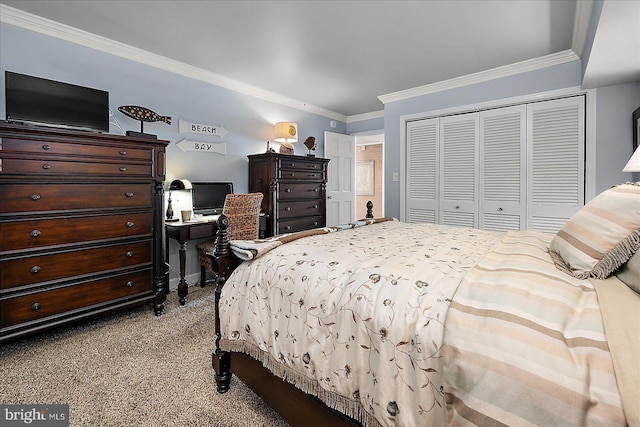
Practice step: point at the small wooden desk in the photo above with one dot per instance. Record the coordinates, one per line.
(182, 232)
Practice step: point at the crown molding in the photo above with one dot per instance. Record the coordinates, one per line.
(365, 116)
(581, 22)
(28, 21)
(483, 76)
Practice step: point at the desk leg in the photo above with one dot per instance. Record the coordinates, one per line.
(183, 290)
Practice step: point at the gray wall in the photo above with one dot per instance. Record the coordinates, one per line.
(614, 133)
(248, 120)
(614, 106)
(547, 79)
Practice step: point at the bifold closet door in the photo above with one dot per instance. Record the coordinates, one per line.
(422, 189)
(502, 168)
(555, 162)
(459, 170)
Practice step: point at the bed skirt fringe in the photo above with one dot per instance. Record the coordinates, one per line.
(350, 407)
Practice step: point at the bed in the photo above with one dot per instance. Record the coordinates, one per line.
(383, 323)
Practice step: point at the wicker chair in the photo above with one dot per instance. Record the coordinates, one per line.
(243, 212)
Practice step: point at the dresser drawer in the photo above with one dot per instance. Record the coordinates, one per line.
(294, 164)
(293, 225)
(301, 175)
(42, 268)
(288, 209)
(56, 301)
(66, 196)
(290, 190)
(80, 167)
(32, 146)
(47, 232)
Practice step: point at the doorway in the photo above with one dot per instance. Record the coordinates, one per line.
(370, 174)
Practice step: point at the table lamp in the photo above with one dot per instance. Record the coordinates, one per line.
(286, 132)
(633, 165)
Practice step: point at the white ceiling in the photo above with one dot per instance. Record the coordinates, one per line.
(337, 55)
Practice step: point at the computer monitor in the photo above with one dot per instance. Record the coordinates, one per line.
(208, 197)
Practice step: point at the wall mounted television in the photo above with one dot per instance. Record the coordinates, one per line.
(208, 197)
(48, 102)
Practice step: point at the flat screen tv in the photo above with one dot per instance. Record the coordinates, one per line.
(208, 197)
(48, 102)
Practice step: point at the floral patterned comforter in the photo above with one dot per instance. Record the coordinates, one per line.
(356, 317)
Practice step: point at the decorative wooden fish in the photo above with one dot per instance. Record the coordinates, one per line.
(143, 114)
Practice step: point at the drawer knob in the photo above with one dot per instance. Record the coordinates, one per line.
(129, 224)
(287, 209)
(316, 189)
(46, 147)
(123, 153)
(292, 174)
(46, 166)
(129, 254)
(129, 194)
(35, 233)
(499, 209)
(315, 206)
(129, 284)
(35, 306)
(288, 227)
(123, 169)
(292, 164)
(457, 207)
(315, 222)
(34, 197)
(287, 190)
(36, 269)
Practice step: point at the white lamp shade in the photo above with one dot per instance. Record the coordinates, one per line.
(286, 132)
(633, 165)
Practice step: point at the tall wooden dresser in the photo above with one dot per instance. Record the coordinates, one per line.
(294, 189)
(80, 226)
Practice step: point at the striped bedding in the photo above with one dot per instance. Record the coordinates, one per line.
(400, 324)
(525, 344)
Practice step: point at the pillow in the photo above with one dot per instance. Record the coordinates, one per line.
(601, 236)
(629, 273)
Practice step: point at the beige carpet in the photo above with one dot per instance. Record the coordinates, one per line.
(132, 369)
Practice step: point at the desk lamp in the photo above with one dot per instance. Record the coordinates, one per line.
(176, 184)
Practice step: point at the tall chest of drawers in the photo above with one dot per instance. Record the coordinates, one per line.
(80, 226)
(294, 189)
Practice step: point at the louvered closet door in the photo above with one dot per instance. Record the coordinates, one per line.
(422, 171)
(555, 165)
(502, 168)
(459, 170)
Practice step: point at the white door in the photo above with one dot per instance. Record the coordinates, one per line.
(422, 171)
(341, 181)
(555, 162)
(459, 170)
(502, 168)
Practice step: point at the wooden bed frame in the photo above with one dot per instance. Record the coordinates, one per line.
(295, 406)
